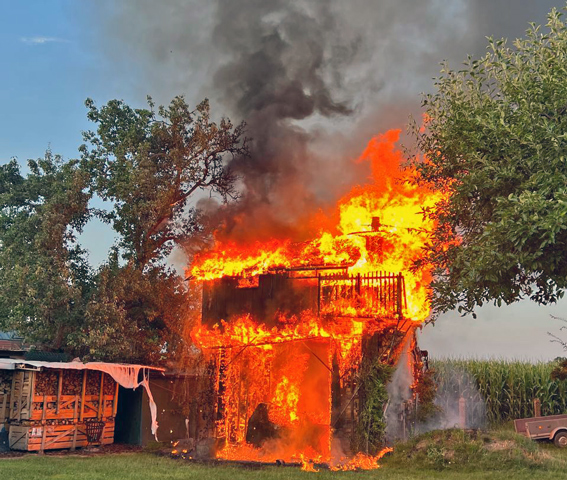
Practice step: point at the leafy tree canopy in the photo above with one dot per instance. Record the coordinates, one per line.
(147, 164)
(43, 271)
(495, 140)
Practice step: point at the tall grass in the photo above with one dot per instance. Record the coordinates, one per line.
(508, 388)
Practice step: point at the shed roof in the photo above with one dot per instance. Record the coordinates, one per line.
(9, 336)
(14, 363)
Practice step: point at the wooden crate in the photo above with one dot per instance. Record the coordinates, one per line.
(5, 389)
(33, 438)
(40, 395)
(21, 395)
(69, 407)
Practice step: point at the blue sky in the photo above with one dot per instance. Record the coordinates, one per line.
(48, 71)
(50, 63)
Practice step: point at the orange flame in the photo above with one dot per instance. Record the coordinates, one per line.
(362, 462)
(381, 229)
(284, 403)
(307, 465)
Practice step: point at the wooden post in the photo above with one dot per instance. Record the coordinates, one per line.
(74, 444)
(21, 392)
(31, 393)
(463, 412)
(318, 294)
(44, 409)
(405, 295)
(537, 407)
(101, 397)
(3, 411)
(59, 391)
(12, 413)
(393, 292)
(82, 411)
(389, 283)
(245, 414)
(399, 294)
(238, 407)
(43, 425)
(115, 406)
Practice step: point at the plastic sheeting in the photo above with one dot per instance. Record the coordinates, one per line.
(125, 375)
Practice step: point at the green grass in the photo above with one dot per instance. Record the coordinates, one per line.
(474, 451)
(437, 455)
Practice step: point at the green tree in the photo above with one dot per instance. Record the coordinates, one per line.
(149, 165)
(495, 141)
(43, 271)
(370, 432)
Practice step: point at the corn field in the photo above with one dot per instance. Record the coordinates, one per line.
(504, 389)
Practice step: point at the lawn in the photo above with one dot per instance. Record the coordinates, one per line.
(149, 466)
(439, 455)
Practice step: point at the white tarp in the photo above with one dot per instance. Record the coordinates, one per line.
(125, 375)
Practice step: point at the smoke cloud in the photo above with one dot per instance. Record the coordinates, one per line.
(314, 80)
(399, 392)
(455, 387)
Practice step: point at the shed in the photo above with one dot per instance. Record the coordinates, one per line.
(53, 405)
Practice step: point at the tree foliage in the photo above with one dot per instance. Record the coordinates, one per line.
(149, 164)
(146, 165)
(43, 271)
(370, 433)
(495, 140)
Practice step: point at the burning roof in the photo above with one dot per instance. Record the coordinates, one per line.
(380, 229)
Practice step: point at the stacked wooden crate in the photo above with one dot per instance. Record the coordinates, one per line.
(5, 389)
(59, 408)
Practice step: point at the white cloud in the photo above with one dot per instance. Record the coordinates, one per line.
(39, 40)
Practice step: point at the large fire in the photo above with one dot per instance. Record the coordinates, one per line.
(276, 375)
(387, 211)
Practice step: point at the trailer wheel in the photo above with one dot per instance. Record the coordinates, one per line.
(560, 439)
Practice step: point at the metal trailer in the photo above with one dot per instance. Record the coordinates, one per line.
(552, 427)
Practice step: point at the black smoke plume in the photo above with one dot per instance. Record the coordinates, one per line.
(314, 80)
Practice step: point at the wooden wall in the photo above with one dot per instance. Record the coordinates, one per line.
(51, 408)
(50, 437)
(225, 299)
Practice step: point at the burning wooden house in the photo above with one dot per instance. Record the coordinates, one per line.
(294, 375)
(289, 326)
